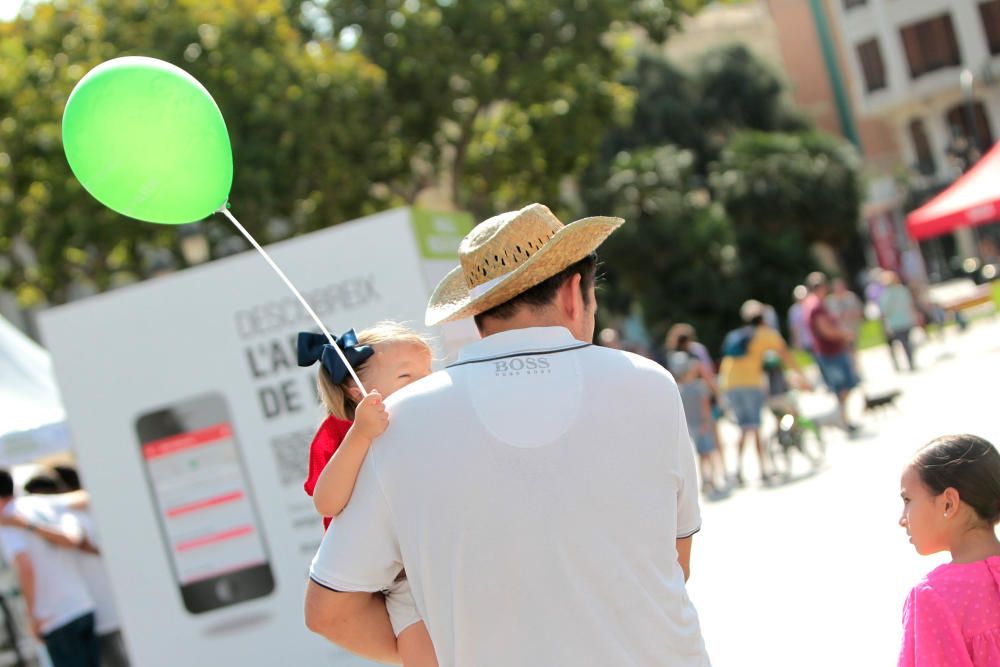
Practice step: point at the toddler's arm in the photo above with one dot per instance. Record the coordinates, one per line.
(336, 483)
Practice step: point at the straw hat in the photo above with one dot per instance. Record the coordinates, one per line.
(509, 254)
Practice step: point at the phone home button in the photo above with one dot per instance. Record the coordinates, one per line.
(224, 590)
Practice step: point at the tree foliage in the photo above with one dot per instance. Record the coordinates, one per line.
(775, 182)
(676, 253)
(499, 101)
(335, 109)
(305, 121)
(768, 188)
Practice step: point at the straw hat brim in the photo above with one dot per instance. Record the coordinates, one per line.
(452, 300)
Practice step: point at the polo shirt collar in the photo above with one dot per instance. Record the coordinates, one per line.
(532, 339)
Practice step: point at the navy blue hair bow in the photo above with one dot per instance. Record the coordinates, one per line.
(315, 347)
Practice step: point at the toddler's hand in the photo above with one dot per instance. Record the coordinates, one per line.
(370, 417)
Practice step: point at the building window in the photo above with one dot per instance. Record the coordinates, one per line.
(872, 66)
(922, 148)
(977, 134)
(990, 11)
(930, 45)
(849, 4)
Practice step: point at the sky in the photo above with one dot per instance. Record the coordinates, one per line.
(8, 9)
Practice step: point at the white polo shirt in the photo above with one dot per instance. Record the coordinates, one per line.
(534, 492)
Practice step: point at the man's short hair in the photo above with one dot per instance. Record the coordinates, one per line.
(43, 484)
(69, 477)
(6, 484)
(815, 280)
(544, 292)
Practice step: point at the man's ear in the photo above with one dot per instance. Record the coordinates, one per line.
(570, 299)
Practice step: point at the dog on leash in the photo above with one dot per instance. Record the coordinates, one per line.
(882, 402)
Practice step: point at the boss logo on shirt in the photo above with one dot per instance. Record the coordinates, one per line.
(522, 366)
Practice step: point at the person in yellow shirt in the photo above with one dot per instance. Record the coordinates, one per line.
(741, 377)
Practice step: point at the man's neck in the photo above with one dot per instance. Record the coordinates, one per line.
(526, 318)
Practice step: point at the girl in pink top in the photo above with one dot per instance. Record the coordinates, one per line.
(951, 502)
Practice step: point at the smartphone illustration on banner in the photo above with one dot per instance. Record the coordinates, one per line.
(204, 505)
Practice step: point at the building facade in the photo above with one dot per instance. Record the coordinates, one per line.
(930, 70)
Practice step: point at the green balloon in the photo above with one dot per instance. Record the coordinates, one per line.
(148, 141)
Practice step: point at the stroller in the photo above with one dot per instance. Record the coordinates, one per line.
(793, 426)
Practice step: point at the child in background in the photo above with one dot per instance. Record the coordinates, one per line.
(698, 411)
(951, 502)
(386, 358)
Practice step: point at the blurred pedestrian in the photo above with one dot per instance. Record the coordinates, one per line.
(798, 326)
(951, 502)
(698, 411)
(741, 377)
(767, 312)
(899, 318)
(846, 307)
(832, 343)
(59, 605)
(682, 337)
(874, 286)
(60, 488)
(107, 624)
(609, 337)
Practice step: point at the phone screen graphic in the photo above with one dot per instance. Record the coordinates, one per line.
(204, 504)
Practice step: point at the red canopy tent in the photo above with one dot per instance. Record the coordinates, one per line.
(974, 199)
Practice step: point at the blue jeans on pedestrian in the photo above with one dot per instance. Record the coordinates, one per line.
(746, 404)
(74, 644)
(838, 372)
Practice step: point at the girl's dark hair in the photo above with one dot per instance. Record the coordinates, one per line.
(682, 343)
(966, 463)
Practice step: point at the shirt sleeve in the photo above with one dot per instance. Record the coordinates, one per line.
(324, 444)
(72, 527)
(360, 552)
(931, 636)
(12, 542)
(688, 510)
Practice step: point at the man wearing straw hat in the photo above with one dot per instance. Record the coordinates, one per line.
(540, 492)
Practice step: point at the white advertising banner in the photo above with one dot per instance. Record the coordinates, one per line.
(191, 424)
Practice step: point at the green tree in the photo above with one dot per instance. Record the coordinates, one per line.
(739, 91)
(728, 90)
(307, 125)
(498, 101)
(782, 189)
(784, 193)
(774, 182)
(666, 109)
(675, 255)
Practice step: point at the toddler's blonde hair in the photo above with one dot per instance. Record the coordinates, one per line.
(335, 397)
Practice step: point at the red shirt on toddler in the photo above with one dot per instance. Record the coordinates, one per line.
(326, 441)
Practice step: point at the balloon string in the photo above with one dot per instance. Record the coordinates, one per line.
(281, 274)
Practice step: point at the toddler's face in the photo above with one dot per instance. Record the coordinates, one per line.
(395, 365)
(923, 515)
